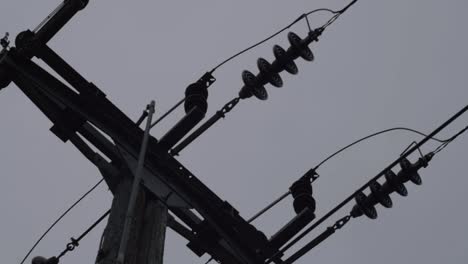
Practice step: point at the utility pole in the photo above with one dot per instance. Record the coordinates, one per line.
(148, 229)
(136, 228)
(151, 188)
(147, 226)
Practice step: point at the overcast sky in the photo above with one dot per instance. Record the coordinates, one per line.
(382, 64)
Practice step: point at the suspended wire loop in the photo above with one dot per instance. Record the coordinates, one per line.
(308, 23)
(313, 175)
(343, 221)
(445, 144)
(373, 135)
(375, 178)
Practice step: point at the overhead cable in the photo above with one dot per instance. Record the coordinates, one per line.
(380, 174)
(60, 218)
(301, 17)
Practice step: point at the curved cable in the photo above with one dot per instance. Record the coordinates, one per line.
(273, 35)
(373, 135)
(457, 135)
(303, 16)
(445, 144)
(60, 218)
(338, 14)
(375, 178)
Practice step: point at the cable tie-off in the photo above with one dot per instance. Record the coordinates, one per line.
(342, 222)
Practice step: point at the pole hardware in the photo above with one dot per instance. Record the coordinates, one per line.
(135, 188)
(365, 205)
(211, 224)
(269, 73)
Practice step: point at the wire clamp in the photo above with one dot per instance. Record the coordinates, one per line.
(342, 222)
(311, 175)
(314, 34)
(73, 244)
(229, 106)
(207, 79)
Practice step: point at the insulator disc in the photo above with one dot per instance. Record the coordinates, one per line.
(371, 212)
(251, 83)
(299, 46)
(415, 178)
(405, 164)
(265, 68)
(260, 92)
(383, 198)
(360, 198)
(366, 208)
(245, 92)
(393, 181)
(407, 168)
(249, 79)
(280, 55)
(276, 80)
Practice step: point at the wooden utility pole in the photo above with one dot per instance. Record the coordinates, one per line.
(83, 115)
(146, 242)
(136, 229)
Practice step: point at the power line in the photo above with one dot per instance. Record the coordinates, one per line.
(445, 144)
(60, 218)
(303, 16)
(312, 171)
(373, 135)
(365, 204)
(76, 242)
(250, 87)
(375, 178)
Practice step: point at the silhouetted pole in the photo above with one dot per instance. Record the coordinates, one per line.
(148, 229)
(136, 229)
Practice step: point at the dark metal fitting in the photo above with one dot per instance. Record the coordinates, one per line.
(26, 43)
(340, 223)
(5, 42)
(311, 174)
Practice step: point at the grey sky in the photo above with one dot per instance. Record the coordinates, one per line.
(383, 64)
